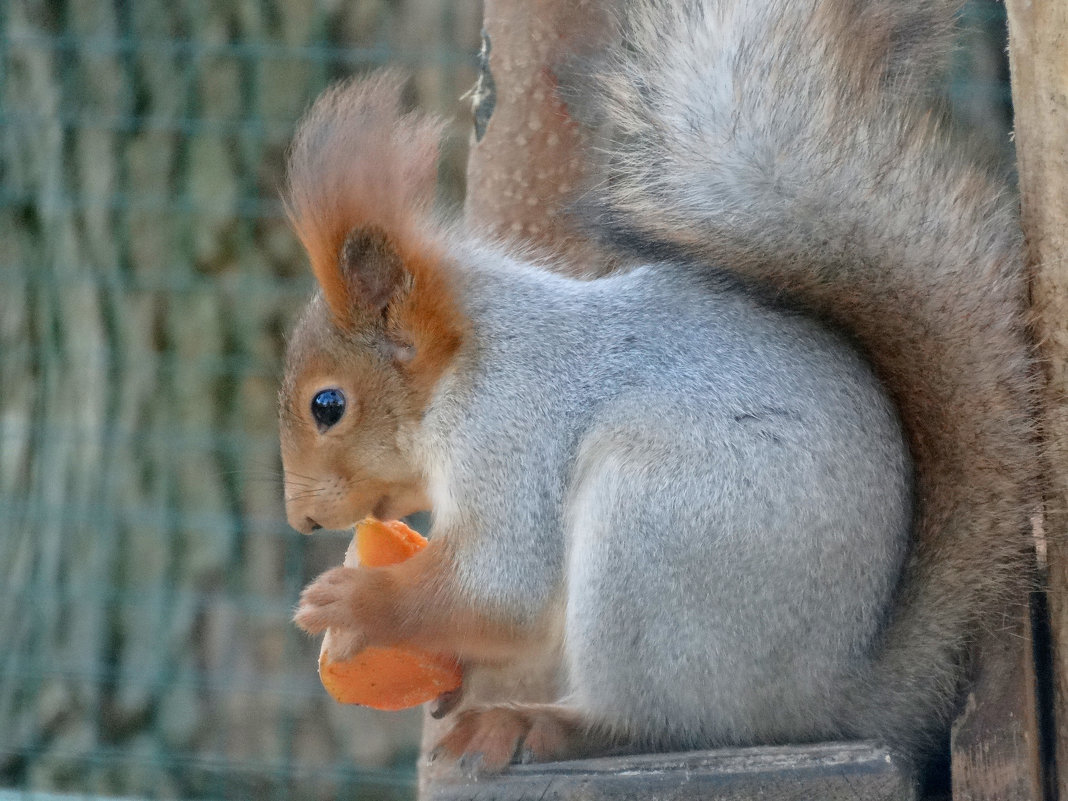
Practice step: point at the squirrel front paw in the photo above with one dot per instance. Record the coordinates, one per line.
(339, 600)
(486, 740)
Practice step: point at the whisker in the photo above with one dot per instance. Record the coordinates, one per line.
(303, 495)
(301, 475)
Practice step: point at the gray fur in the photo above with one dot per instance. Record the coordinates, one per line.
(719, 489)
(792, 144)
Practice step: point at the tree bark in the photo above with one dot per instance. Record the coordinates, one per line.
(529, 159)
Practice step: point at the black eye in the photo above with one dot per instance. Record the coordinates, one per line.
(327, 407)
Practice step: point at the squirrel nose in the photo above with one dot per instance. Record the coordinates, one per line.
(303, 523)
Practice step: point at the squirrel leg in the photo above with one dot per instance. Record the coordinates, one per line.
(415, 602)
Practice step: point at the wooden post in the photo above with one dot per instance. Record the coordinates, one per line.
(1038, 58)
(529, 157)
(996, 750)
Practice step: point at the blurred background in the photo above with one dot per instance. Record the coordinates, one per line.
(147, 278)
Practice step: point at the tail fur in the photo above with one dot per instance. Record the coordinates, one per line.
(790, 142)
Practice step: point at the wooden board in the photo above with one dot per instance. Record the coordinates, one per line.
(824, 772)
(1038, 58)
(996, 749)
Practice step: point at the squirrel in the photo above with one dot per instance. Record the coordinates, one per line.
(765, 486)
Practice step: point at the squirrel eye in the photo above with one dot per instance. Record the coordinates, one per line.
(327, 407)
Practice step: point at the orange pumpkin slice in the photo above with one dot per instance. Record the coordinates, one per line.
(391, 678)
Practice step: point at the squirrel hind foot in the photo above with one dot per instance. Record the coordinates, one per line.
(485, 740)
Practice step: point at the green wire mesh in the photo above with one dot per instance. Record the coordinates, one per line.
(147, 277)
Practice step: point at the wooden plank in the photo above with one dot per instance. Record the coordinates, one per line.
(1038, 59)
(996, 748)
(824, 772)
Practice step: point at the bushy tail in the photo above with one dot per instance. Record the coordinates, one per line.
(790, 142)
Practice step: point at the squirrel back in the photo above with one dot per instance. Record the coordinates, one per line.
(792, 144)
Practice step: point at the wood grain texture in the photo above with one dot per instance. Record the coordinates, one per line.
(1038, 57)
(824, 772)
(996, 751)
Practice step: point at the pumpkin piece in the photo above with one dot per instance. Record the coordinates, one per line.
(380, 543)
(390, 678)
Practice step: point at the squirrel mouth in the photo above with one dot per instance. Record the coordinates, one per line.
(381, 509)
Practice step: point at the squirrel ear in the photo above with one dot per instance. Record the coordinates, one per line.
(372, 270)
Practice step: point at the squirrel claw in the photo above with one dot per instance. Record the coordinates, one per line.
(471, 765)
(485, 741)
(345, 644)
(446, 702)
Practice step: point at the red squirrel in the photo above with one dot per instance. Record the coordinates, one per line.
(765, 486)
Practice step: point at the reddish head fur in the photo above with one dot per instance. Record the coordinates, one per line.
(387, 325)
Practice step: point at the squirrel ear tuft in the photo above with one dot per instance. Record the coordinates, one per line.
(371, 268)
(361, 184)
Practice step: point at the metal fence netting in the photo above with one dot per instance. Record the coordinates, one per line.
(147, 575)
(147, 277)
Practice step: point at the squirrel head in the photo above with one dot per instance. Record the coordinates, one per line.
(383, 328)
